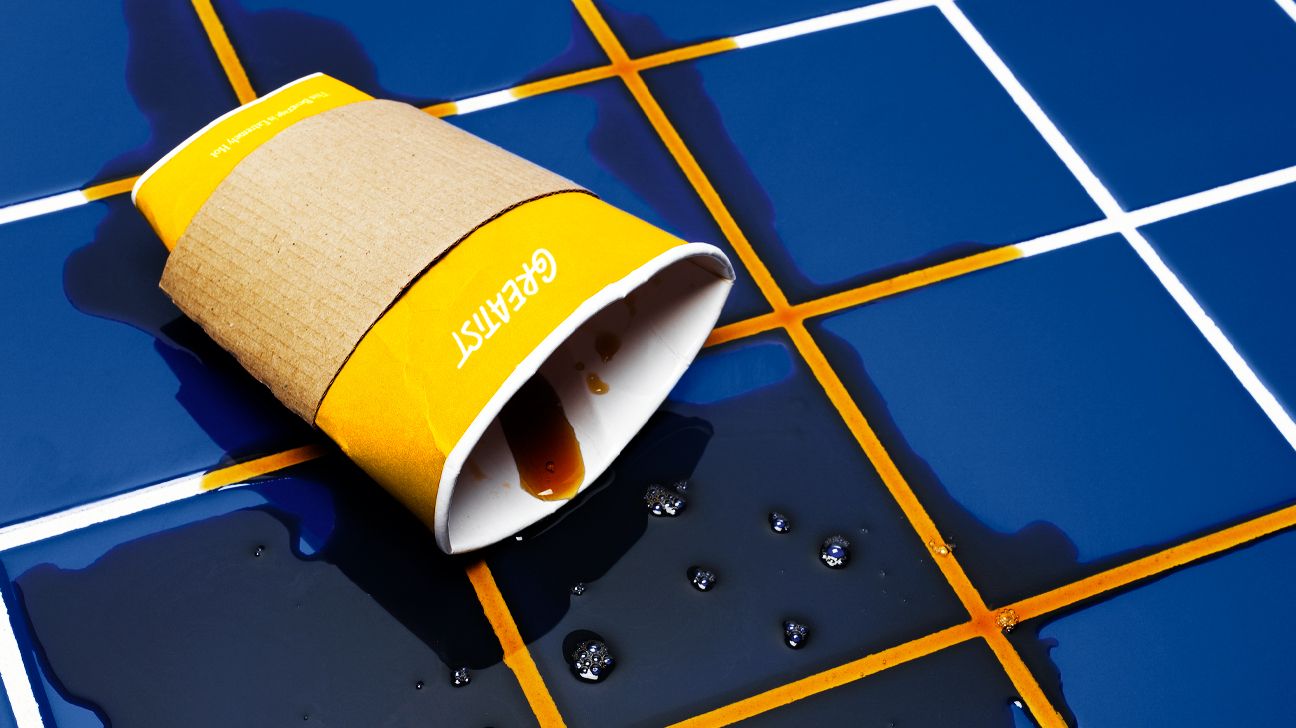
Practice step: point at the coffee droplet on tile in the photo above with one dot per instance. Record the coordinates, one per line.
(542, 441)
(596, 385)
(795, 634)
(460, 677)
(662, 502)
(779, 523)
(701, 579)
(1007, 619)
(835, 552)
(591, 661)
(607, 345)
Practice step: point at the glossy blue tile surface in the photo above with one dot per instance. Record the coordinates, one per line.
(416, 52)
(1207, 646)
(648, 26)
(99, 90)
(596, 136)
(1057, 413)
(309, 594)
(772, 442)
(1239, 261)
(106, 387)
(898, 150)
(1162, 98)
(965, 685)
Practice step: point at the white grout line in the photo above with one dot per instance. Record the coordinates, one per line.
(484, 101)
(1288, 6)
(827, 22)
(100, 511)
(13, 673)
(1067, 238)
(41, 206)
(1125, 224)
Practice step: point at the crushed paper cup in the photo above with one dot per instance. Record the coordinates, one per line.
(478, 334)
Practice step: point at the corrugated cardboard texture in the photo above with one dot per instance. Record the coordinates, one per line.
(312, 236)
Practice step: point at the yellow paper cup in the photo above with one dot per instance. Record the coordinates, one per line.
(480, 335)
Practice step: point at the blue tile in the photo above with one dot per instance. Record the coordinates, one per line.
(1163, 98)
(649, 26)
(1240, 264)
(959, 686)
(1207, 646)
(597, 136)
(852, 154)
(106, 386)
(416, 52)
(765, 439)
(97, 91)
(228, 605)
(1058, 414)
(7, 719)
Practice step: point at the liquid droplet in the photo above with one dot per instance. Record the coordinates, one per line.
(596, 385)
(258, 551)
(460, 677)
(681, 485)
(542, 441)
(662, 502)
(779, 523)
(418, 685)
(591, 661)
(1007, 619)
(701, 579)
(795, 634)
(578, 590)
(835, 552)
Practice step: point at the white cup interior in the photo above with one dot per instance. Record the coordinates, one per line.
(661, 314)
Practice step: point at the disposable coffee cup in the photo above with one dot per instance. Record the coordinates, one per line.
(478, 334)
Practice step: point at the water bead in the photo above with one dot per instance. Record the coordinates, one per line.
(663, 502)
(835, 552)
(795, 634)
(592, 661)
(701, 579)
(779, 523)
(460, 677)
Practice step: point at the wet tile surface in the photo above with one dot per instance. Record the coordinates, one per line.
(1205, 646)
(308, 595)
(106, 386)
(416, 52)
(649, 26)
(1162, 98)
(901, 150)
(968, 688)
(1240, 264)
(750, 432)
(1045, 410)
(596, 136)
(98, 91)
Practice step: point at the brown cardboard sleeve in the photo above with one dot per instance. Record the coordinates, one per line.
(318, 231)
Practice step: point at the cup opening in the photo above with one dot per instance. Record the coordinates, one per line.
(610, 364)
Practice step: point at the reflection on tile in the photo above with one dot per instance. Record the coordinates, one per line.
(1207, 646)
(308, 595)
(852, 154)
(98, 91)
(649, 26)
(596, 136)
(416, 52)
(106, 386)
(1162, 98)
(1240, 264)
(1057, 413)
(778, 446)
(958, 686)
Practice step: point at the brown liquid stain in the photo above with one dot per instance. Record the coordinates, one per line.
(630, 304)
(542, 441)
(475, 470)
(607, 345)
(596, 385)
(580, 366)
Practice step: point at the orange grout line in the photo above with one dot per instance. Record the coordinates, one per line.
(239, 472)
(886, 468)
(566, 80)
(1028, 688)
(598, 26)
(220, 43)
(108, 189)
(443, 109)
(685, 53)
(516, 655)
(1155, 564)
(742, 329)
(831, 678)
